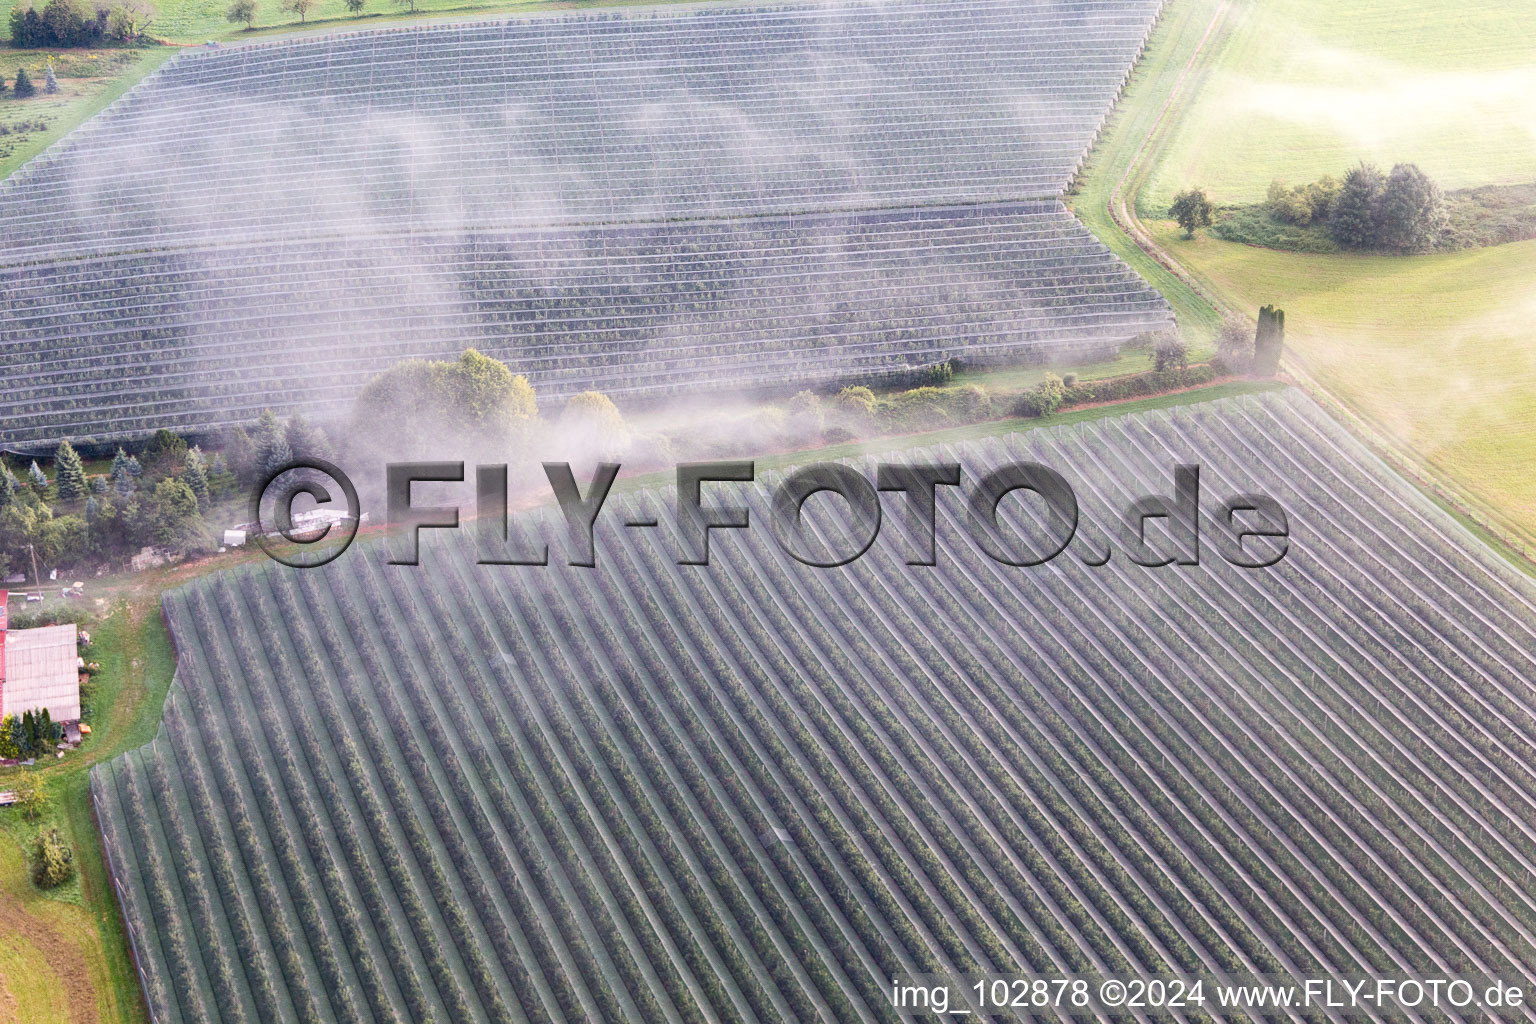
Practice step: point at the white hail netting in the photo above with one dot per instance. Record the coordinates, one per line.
(813, 779)
(715, 196)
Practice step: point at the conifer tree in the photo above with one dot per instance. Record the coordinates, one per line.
(1270, 341)
(122, 479)
(1352, 221)
(69, 472)
(195, 476)
(272, 451)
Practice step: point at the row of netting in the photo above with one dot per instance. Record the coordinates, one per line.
(198, 339)
(647, 116)
(755, 790)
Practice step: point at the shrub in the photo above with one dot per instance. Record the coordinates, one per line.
(1042, 399)
(1234, 346)
(1138, 385)
(55, 863)
(935, 375)
(1288, 205)
(838, 435)
(31, 797)
(805, 410)
(857, 399)
(1169, 352)
(23, 87)
(914, 408)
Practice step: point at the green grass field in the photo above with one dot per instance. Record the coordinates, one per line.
(1302, 88)
(191, 22)
(1436, 353)
(89, 80)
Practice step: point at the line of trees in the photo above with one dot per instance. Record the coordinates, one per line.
(163, 497)
(71, 23)
(1400, 211)
(24, 88)
(244, 12)
(29, 734)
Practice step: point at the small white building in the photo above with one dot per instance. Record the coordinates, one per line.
(39, 668)
(234, 538)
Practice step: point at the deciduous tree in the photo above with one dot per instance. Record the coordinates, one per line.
(31, 797)
(177, 521)
(242, 11)
(165, 452)
(1410, 212)
(1234, 345)
(1192, 211)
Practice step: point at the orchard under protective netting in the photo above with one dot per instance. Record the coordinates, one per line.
(306, 212)
(189, 338)
(759, 791)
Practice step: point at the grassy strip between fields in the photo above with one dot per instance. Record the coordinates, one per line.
(70, 941)
(1118, 161)
(974, 431)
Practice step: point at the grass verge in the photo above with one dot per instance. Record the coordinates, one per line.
(73, 936)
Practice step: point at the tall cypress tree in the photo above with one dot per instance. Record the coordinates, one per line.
(1270, 341)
